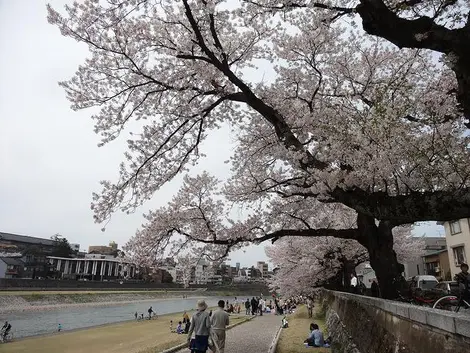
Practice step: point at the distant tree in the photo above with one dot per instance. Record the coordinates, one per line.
(166, 276)
(62, 247)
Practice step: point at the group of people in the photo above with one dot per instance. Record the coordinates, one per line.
(208, 328)
(151, 314)
(256, 306)
(183, 326)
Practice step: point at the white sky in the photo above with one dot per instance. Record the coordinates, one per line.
(49, 159)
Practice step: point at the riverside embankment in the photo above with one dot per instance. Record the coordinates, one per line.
(38, 300)
(44, 319)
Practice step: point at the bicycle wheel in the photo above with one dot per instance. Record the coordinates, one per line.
(448, 302)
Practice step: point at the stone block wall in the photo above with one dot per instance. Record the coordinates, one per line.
(360, 324)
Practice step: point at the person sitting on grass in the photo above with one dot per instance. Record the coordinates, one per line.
(285, 323)
(179, 328)
(315, 339)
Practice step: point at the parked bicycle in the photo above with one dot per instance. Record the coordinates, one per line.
(451, 303)
(420, 300)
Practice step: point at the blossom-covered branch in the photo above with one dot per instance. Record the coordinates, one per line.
(342, 120)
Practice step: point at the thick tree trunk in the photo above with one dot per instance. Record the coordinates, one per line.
(379, 242)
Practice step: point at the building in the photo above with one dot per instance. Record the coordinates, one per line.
(202, 272)
(365, 274)
(111, 249)
(437, 264)
(254, 273)
(20, 243)
(418, 266)
(11, 267)
(33, 252)
(98, 268)
(262, 267)
(458, 243)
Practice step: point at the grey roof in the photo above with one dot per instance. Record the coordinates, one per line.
(437, 252)
(25, 239)
(12, 261)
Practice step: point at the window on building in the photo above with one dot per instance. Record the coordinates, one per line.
(455, 227)
(431, 268)
(459, 255)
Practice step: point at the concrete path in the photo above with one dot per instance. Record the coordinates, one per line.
(253, 336)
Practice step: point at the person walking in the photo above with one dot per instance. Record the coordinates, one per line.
(200, 325)
(219, 323)
(247, 306)
(310, 307)
(150, 311)
(254, 306)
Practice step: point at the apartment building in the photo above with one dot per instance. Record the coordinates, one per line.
(458, 242)
(263, 268)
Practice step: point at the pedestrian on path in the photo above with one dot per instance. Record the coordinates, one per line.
(247, 306)
(254, 306)
(219, 323)
(200, 325)
(254, 336)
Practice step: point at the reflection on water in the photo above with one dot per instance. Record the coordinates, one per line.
(43, 322)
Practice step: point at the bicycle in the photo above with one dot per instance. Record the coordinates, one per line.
(7, 338)
(417, 300)
(451, 303)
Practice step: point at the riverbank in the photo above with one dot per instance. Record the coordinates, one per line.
(33, 301)
(19, 301)
(133, 337)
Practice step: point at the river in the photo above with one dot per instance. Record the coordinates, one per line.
(33, 323)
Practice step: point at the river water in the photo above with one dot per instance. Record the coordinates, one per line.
(46, 321)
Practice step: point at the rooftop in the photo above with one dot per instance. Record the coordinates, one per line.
(12, 261)
(25, 239)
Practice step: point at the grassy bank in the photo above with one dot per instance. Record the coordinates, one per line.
(292, 338)
(130, 337)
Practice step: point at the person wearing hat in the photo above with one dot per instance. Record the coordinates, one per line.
(200, 325)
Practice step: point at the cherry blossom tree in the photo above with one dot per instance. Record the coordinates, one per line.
(438, 25)
(305, 264)
(347, 122)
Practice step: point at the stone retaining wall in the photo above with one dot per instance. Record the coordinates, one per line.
(360, 324)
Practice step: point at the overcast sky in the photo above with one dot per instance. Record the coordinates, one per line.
(49, 159)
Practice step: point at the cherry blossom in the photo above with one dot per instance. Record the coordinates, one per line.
(346, 125)
(304, 264)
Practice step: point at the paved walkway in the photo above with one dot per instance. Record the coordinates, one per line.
(253, 336)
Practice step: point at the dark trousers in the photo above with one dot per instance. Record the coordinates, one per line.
(200, 344)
